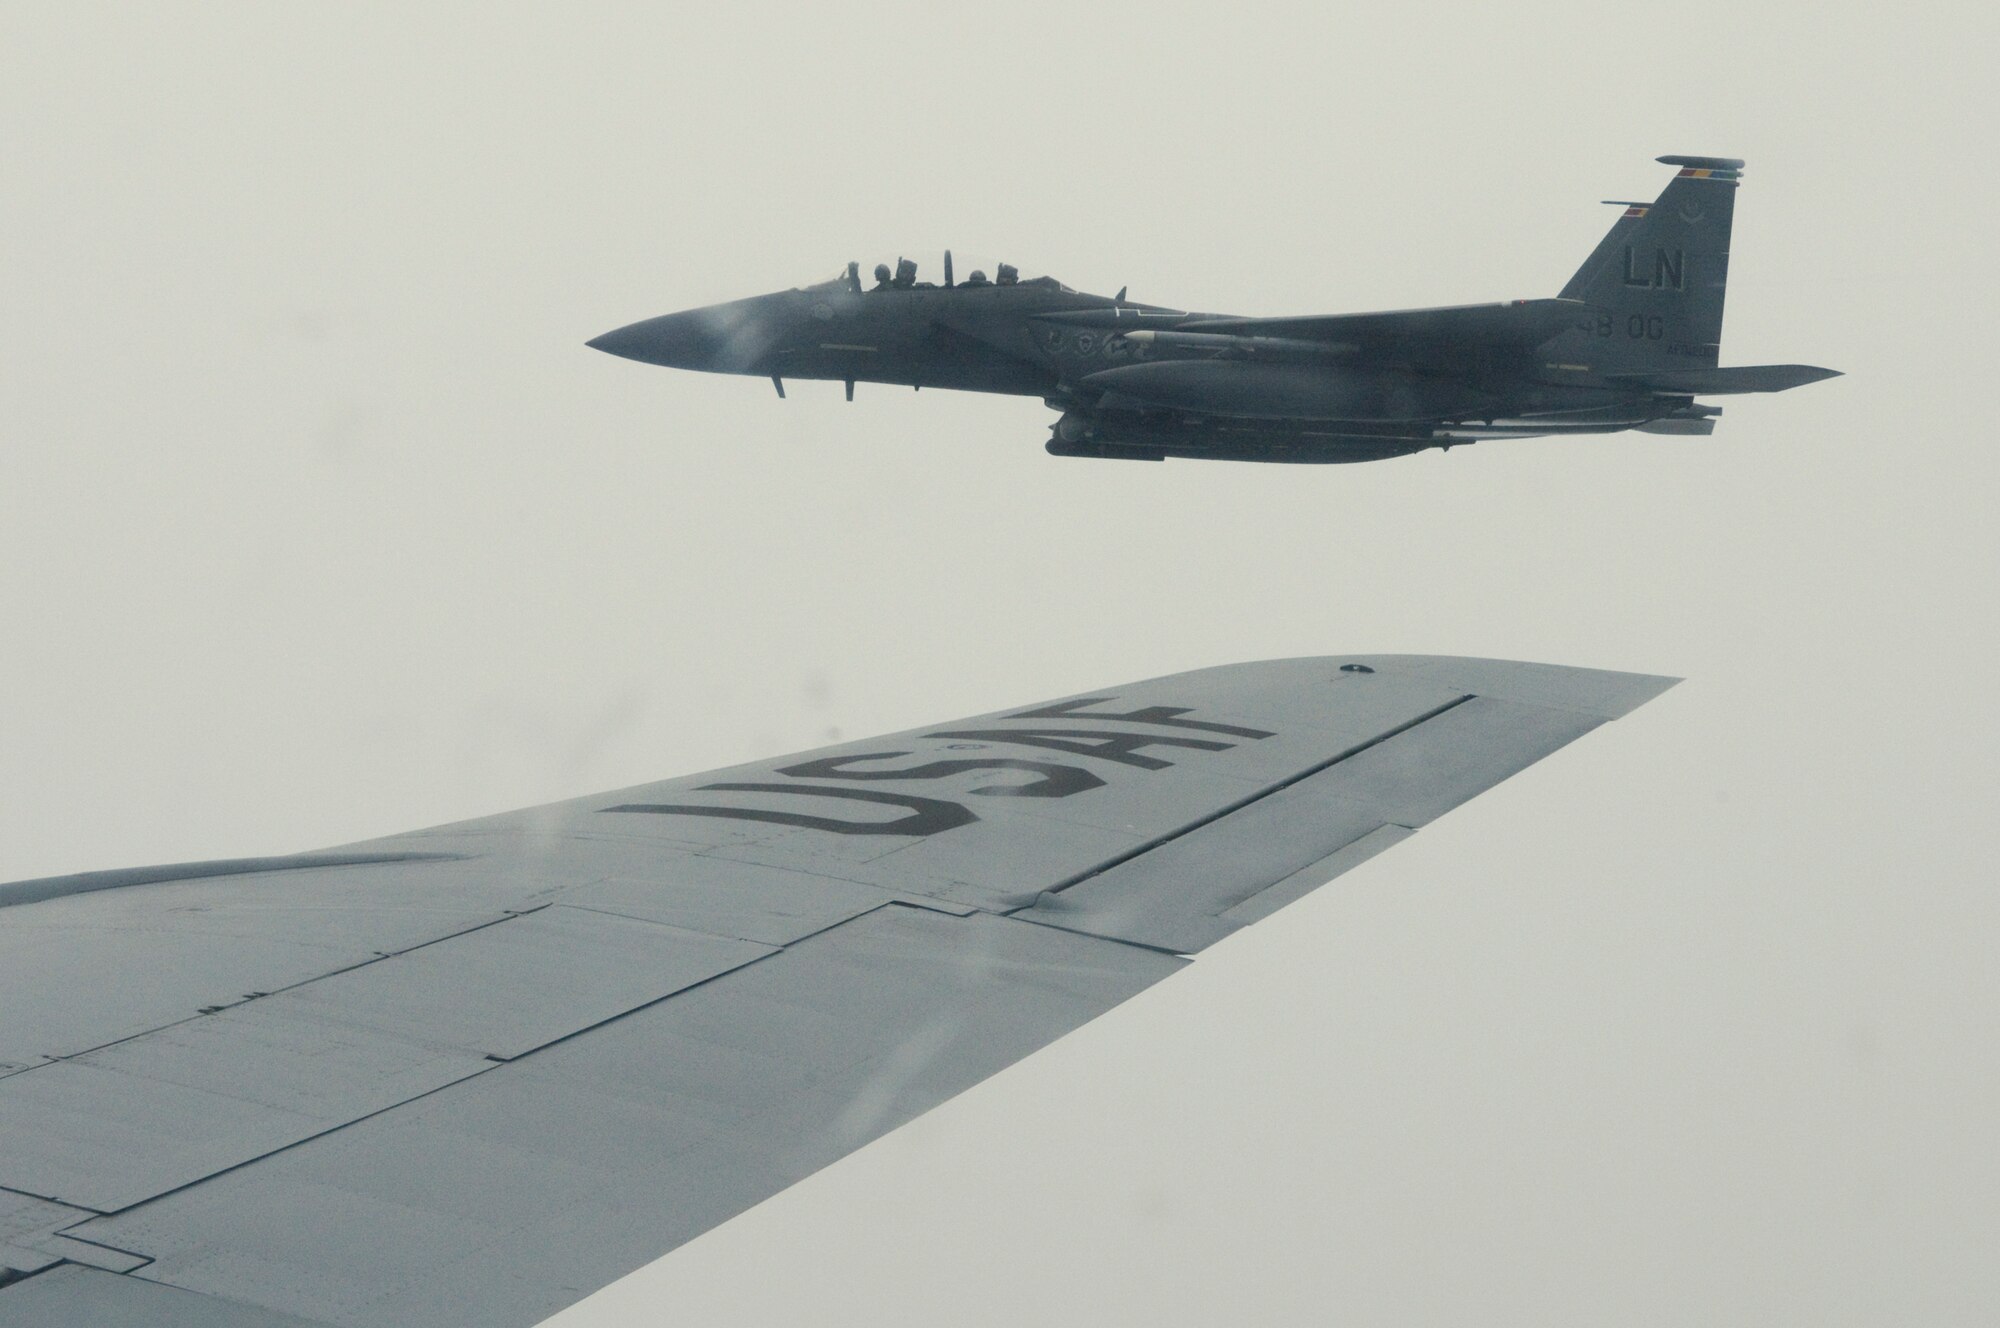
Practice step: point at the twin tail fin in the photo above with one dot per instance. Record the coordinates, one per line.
(1656, 281)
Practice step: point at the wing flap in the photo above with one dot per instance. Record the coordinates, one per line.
(182, 945)
(28, 1228)
(133, 1120)
(74, 1296)
(484, 1204)
(1307, 879)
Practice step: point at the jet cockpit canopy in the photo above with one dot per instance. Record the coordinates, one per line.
(904, 276)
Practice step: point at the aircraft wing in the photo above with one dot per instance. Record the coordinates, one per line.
(1518, 324)
(467, 1075)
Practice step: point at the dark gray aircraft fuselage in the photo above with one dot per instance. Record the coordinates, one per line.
(1628, 344)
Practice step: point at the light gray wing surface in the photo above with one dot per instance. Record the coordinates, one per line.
(470, 1074)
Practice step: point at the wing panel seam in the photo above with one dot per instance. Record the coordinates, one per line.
(1237, 806)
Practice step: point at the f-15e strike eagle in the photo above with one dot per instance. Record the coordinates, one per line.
(1629, 343)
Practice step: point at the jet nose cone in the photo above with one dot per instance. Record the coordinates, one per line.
(675, 340)
(722, 338)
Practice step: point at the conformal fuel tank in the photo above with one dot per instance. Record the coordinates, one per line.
(1283, 391)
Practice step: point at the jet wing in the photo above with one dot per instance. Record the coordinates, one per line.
(468, 1074)
(1519, 324)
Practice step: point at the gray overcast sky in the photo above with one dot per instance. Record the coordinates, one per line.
(318, 521)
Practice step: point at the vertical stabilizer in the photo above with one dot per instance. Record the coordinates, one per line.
(1656, 281)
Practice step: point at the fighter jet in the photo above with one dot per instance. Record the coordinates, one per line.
(1628, 343)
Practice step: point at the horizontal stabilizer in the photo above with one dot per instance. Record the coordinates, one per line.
(1518, 323)
(1737, 378)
